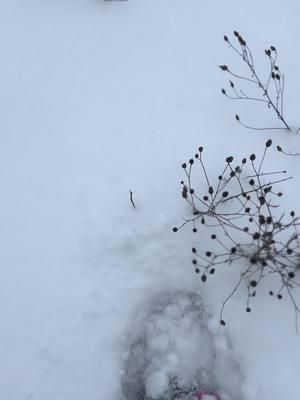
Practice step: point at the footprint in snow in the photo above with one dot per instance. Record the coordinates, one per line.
(175, 351)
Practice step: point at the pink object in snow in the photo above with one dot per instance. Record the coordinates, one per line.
(206, 396)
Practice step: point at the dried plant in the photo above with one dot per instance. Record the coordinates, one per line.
(271, 88)
(241, 214)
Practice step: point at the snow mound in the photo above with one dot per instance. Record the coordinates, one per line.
(175, 349)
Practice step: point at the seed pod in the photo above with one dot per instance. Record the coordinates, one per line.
(224, 67)
(184, 192)
(268, 52)
(242, 41)
(269, 143)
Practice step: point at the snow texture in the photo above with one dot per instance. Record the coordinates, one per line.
(172, 352)
(99, 300)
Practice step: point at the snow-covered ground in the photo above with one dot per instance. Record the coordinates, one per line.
(98, 98)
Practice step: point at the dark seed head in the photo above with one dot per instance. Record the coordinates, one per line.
(262, 200)
(224, 67)
(268, 52)
(269, 143)
(262, 219)
(242, 41)
(203, 278)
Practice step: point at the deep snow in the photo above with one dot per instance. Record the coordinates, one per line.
(98, 98)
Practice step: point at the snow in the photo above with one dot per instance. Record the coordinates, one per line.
(172, 339)
(98, 98)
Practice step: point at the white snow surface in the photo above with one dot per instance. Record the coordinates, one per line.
(98, 98)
